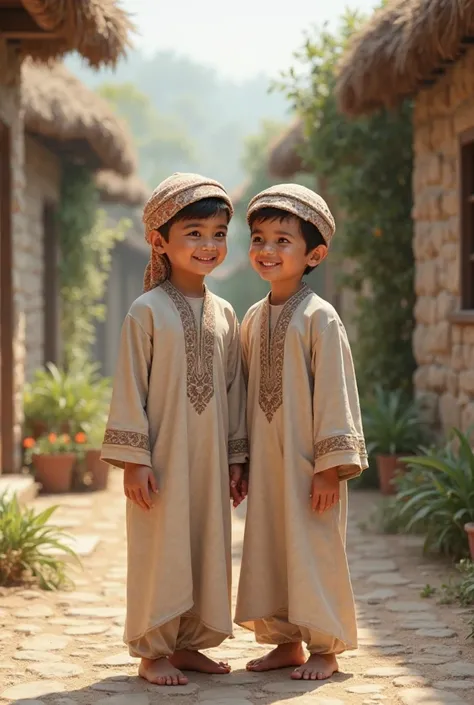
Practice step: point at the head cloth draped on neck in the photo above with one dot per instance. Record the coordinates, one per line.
(299, 201)
(170, 197)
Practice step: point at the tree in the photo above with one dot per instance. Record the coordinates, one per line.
(163, 144)
(367, 166)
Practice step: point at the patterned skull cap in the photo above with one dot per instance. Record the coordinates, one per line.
(171, 196)
(299, 201)
(175, 193)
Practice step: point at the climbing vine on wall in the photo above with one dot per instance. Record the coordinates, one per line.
(367, 167)
(86, 242)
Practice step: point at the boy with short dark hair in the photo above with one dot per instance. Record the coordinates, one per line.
(177, 428)
(306, 441)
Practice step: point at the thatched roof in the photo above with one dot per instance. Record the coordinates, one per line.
(402, 48)
(113, 188)
(73, 119)
(98, 29)
(284, 159)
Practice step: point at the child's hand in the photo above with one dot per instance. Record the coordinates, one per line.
(324, 490)
(137, 482)
(238, 484)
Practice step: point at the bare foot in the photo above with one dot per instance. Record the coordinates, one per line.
(195, 661)
(317, 668)
(161, 672)
(283, 656)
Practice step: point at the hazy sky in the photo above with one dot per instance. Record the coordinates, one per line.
(241, 38)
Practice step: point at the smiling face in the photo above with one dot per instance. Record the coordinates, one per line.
(279, 250)
(196, 242)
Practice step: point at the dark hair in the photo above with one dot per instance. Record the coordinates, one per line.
(205, 208)
(311, 234)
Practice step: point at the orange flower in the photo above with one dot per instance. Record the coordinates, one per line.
(80, 437)
(52, 438)
(29, 442)
(65, 438)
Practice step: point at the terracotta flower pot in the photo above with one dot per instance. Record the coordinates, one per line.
(54, 472)
(388, 467)
(98, 470)
(469, 529)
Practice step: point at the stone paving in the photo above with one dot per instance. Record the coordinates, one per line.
(66, 648)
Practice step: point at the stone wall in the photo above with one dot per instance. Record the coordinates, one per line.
(444, 380)
(43, 183)
(12, 115)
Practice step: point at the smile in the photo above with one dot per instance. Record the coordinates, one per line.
(205, 259)
(269, 265)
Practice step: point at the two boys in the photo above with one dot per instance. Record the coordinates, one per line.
(178, 428)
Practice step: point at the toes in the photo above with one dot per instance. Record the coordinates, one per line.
(161, 680)
(314, 676)
(182, 680)
(321, 676)
(297, 675)
(306, 675)
(169, 680)
(175, 680)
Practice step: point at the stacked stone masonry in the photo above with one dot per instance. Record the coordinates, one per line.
(43, 184)
(444, 351)
(11, 114)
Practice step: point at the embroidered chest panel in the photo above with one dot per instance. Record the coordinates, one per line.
(199, 347)
(272, 353)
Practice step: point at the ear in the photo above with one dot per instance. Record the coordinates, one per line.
(157, 239)
(317, 255)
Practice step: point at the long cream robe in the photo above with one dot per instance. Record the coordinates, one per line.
(303, 417)
(178, 406)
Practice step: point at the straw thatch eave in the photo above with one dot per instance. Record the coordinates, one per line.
(129, 190)
(71, 118)
(98, 29)
(284, 159)
(403, 48)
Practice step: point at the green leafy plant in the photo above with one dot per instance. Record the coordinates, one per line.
(428, 591)
(28, 547)
(392, 423)
(69, 401)
(364, 167)
(438, 495)
(87, 241)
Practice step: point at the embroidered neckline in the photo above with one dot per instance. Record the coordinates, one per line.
(272, 352)
(199, 346)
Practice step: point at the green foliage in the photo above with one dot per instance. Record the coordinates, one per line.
(29, 546)
(162, 143)
(87, 242)
(437, 496)
(392, 423)
(66, 400)
(366, 168)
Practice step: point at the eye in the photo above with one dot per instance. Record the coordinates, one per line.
(194, 233)
(283, 240)
(256, 239)
(221, 234)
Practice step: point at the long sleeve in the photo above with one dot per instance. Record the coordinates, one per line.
(237, 398)
(126, 437)
(338, 435)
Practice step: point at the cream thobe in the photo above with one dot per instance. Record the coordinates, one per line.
(303, 417)
(178, 406)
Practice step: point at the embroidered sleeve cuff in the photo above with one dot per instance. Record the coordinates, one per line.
(348, 453)
(238, 451)
(122, 447)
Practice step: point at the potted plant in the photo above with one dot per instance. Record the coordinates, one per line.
(441, 500)
(393, 429)
(53, 458)
(65, 400)
(96, 469)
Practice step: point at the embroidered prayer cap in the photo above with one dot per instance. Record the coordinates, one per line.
(171, 196)
(299, 201)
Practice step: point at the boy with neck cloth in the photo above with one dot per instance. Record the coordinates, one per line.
(177, 428)
(306, 441)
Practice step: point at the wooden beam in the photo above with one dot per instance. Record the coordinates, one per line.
(7, 460)
(18, 24)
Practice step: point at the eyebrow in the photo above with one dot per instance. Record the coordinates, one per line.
(259, 231)
(200, 223)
